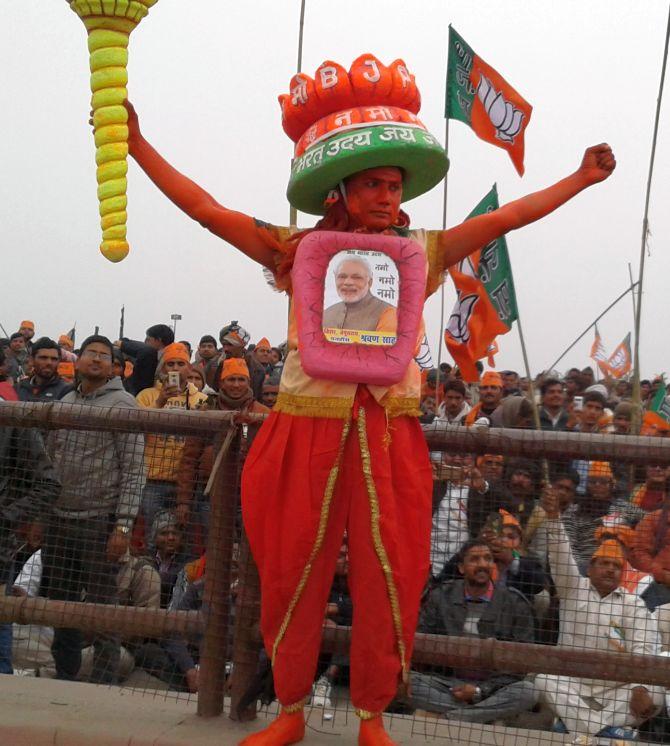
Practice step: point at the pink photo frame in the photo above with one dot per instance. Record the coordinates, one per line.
(356, 363)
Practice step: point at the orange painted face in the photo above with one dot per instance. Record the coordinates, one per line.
(373, 197)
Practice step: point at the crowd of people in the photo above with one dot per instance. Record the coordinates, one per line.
(575, 552)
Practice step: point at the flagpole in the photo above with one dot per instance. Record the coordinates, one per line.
(645, 232)
(293, 213)
(592, 324)
(630, 277)
(444, 227)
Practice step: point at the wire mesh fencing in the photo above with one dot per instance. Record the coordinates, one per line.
(546, 611)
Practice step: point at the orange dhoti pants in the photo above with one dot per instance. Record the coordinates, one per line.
(306, 480)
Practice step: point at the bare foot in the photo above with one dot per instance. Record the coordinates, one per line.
(287, 728)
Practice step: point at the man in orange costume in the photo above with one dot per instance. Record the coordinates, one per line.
(336, 456)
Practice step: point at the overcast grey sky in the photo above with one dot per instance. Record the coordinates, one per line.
(205, 76)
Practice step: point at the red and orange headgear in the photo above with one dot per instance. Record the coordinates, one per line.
(345, 122)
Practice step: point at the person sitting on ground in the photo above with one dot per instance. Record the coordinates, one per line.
(453, 408)
(454, 480)
(596, 613)
(196, 376)
(145, 356)
(490, 396)
(652, 494)
(7, 390)
(495, 494)
(475, 607)
(45, 383)
(170, 556)
(511, 383)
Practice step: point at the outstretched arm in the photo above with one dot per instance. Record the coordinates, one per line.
(460, 241)
(235, 227)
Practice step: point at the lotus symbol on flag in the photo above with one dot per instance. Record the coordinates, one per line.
(504, 116)
(458, 321)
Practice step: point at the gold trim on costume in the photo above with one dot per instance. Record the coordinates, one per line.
(367, 715)
(334, 407)
(397, 406)
(295, 707)
(318, 542)
(366, 462)
(437, 272)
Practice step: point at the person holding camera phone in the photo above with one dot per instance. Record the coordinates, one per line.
(162, 453)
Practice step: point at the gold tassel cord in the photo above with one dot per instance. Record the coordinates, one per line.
(380, 549)
(318, 542)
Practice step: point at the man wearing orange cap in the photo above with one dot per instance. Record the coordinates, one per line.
(162, 453)
(27, 329)
(596, 613)
(490, 396)
(263, 351)
(358, 439)
(195, 466)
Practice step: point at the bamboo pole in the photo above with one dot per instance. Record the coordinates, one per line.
(293, 213)
(216, 600)
(444, 227)
(636, 419)
(56, 415)
(592, 324)
(521, 657)
(127, 621)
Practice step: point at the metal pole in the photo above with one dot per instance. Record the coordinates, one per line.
(216, 600)
(444, 227)
(293, 213)
(636, 420)
(592, 324)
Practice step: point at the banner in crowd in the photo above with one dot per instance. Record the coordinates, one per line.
(486, 300)
(657, 417)
(484, 100)
(619, 363)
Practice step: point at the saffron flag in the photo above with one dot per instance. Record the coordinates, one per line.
(620, 361)
(598, 354)
(486, 301)
(483, 99)
(656, 419)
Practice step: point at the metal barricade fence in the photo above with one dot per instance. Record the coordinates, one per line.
(227, 621)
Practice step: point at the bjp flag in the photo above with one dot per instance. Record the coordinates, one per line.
(486, 300)
(484, 100)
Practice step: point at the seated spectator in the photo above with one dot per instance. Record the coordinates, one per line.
(119, 364)
(145, 356)
(490, 396)
(454, 480)
(522, 476)
(494, 493)
(564, 484)
(262, 353)
(276, 357)
(596, 613)
(428, 410)
(163, 452)
(45, 383)
(653, 493)
(553, 414)
(339, 612)
(650, 553)
(453, 408)
(593, 510)
(170, 556)
(474, 607)
(207, 351)
(171, 660)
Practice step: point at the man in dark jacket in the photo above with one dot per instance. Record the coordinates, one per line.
(28, 487)
(45, 385)
(553, 415)
(145, 356)
(474, 607)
